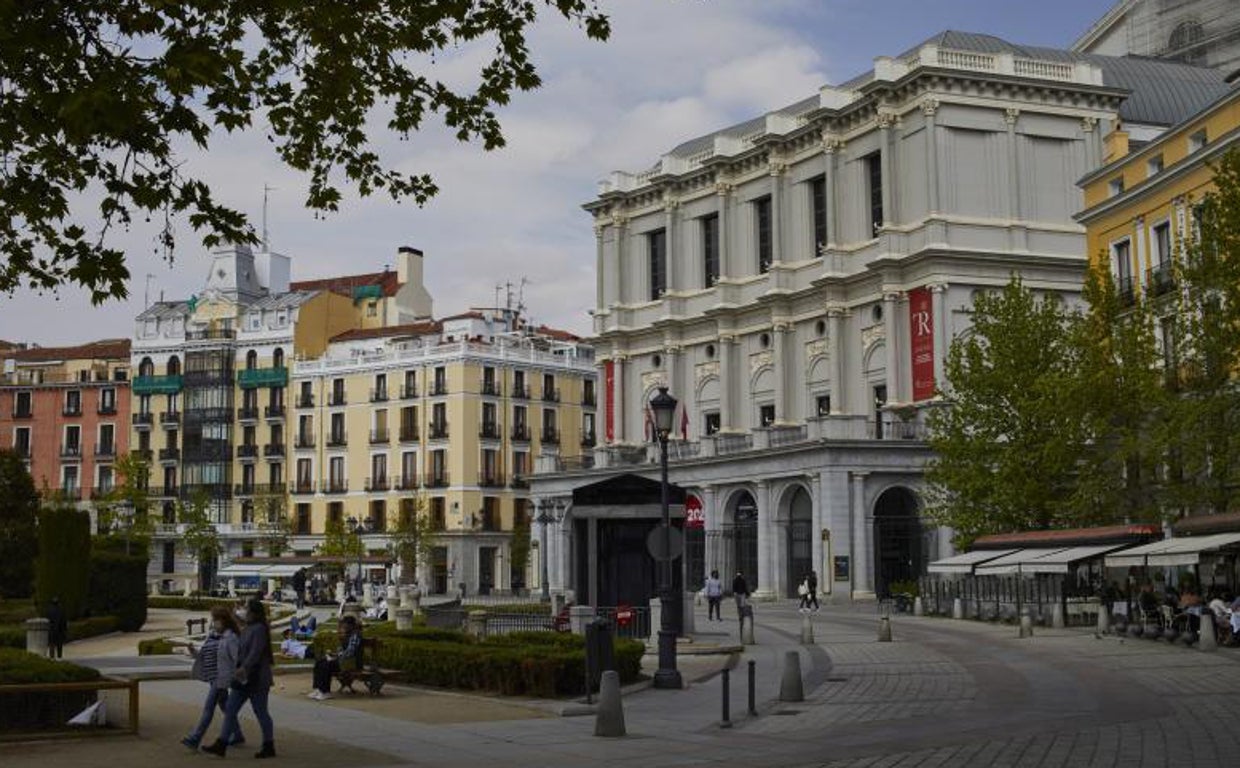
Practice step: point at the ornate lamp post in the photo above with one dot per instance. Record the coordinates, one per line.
(361, 528)
(663, 406)
(548, 513)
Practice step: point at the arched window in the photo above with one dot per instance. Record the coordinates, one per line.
(174, 366)
(146, 367)
(251, 360)
(277, 358)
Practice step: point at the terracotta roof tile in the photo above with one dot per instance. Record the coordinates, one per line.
(388, 281)
(104, 349)
(1068, 536)
(410, 329)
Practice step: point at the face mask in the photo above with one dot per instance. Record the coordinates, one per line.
(240, 614)
(218, 626)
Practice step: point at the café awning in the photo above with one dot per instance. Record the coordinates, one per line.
(283, 570)
(1063, 560)
(965, 562)
(239, 571)
(1185, 550)
(1015, 561)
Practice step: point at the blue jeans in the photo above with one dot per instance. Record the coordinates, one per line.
(216, 697)
(231, 729)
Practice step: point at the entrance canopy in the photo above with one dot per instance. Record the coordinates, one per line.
(1173, 552)
(1014, 562)
(965, 562)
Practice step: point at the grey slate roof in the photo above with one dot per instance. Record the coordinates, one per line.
(1161, 92)
(168, 309)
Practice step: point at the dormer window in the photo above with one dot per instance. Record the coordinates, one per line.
(1197, 141)
(254, 321)
(1115, 186)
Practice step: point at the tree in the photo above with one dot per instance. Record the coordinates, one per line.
(64, 559)
(339, 542)
(271, 510)
(413, 538)
(1120, 396)
(125, 510)
(19, 540)
(97, 97)
(1008, 446)
(520, 548)
(200, 539)
(1204, 417)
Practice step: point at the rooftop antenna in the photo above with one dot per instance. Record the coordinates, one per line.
(521, 295)
(266, 243)
(498, 287)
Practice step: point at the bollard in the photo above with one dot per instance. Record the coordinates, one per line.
(884, 629)
(957, 608)
(1057, 621)
(753, 700)
(1207, 638)
(609, 717)
(404, 619)
(747, 626)
(37, 636)
(919, 608)
(726, 720)
(656, 622)
(392, 596)
(807, 630)
(1026, 624)
(790, 687)
(1104, 620)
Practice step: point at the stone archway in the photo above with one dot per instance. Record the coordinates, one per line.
(799, 542)
(740, 538)
(898, 539)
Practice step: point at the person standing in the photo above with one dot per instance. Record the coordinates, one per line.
(714, 596)
(740, 592)
(251, 681)
(57, 629)
(214, 663)
(811, 581)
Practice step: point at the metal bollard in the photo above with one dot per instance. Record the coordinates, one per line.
(726, 720)
(753, 705)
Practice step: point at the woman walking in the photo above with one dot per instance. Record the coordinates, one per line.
(214, 662)
(251, 681)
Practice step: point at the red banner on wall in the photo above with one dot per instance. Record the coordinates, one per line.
(695, 516)
(921, 334)
(609, 399)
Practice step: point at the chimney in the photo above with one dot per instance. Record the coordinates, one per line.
(414, 301)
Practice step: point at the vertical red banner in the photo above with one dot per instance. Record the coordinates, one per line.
(609, 399)
(921, 348)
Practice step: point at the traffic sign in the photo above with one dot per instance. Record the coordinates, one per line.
(655, 543)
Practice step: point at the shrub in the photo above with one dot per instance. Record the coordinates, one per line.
(63, 568)
(533, 609)
(17, 667)
(159, 646)
(195, 603)
(41, 710)
(93, 627)
(19, 538)
(16, 611)
(118, 588)
(13, 637)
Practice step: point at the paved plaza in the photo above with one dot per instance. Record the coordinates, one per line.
(944, 693)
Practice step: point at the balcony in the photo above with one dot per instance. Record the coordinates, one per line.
(163, 492)
(337, 440)
(1160, 278)
(106, 409)
(157, 385)
(374, 484)
(336, 485)
(263, 377)
(105, 451)
(589, 399)
(338, 398)
(520, 392)
(491, 480)
(301, 487)
(378, 436)
(550, 435)
(222, 377)
(169, 454)
(406, 483)
(408, 391)
(439, 388)
(170, 419)
(243, 489)
(273, 450)
(304, 441)
(519, 481)
(437, 480)
(489, 388)
(379, 395)
(305, 400)
(71, 409)
(521, 433)
(273, 412)
(71, 451)
(23, 413)
(101, 492)
(588, 441)
(247, 413)
(211, 334)
(1125, 291)
(141, 420)
(409, 434)
(247, 452)
(439, 430)
(551, 396)
(141, 454)
(489, 431)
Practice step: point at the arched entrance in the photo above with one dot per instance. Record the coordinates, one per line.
(800, 556)
(741, 538)
(898, 535)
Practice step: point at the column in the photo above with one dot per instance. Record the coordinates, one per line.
(928, 108)
(723, 191)
(904, 357)
(714, 526)
(831, 146)
(815, 494)
(835, 327)
(777, 168)
(617, 398)
(675, 273)
(600, 267)
(863, 583)
(672, 355)
(766, 571)
(1020, 238)
(727, 376)
(1093, 148)
(779, 363)
(885, 122)
(891, 306)
(1140, 251)
(621, 223)
(942, 331)
(591, 563)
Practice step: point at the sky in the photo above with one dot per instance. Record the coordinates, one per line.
(672, 70)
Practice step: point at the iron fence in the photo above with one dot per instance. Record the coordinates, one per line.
(634, 626)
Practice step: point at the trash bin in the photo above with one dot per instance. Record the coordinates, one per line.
(600, 650)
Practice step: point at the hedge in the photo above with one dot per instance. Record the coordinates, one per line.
(18, 667)
(534, 609)
(118, 588)
(195, 603)
(16, 611)
(14, 635)
(41, 710)
(159, 646)
(63, 567)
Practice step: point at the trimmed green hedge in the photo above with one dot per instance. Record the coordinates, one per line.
(118, 588)
(17, 667)
(177, 602)
(16, 611)
(41, 711)
(156, 647)
(14, 635)
(63, 567)
(533, 609)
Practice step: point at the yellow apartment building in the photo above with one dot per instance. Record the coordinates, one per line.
(447, 416)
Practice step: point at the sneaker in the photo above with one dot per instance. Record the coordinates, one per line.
(326, 696)
(314, 693)
(191, 743)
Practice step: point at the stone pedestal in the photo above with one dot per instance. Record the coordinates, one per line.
(919, 608)
(1057, 621)
(1104, 620)
(404, 619)
(578, 617)
(232, 588)
(656, 621)
(477, 623)
(609, 718)
(36, 636)
(807, 629)
(790, 685)
(340, 591)
(957, 608)
(392, 597)
(1026, 624)
(189, 587)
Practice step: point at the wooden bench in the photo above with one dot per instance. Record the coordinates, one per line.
(368, 671)
(201, 624)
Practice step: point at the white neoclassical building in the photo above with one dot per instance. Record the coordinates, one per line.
(796, 281)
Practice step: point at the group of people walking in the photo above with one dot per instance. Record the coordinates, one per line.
(807, 590)
(236, 663)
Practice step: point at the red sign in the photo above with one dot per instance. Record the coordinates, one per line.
(609, 399)
(695, 516)
(624, 615)
(921, 332)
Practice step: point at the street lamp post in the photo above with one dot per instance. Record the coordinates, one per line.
(544, 519)
(360, 527)
(663, 406)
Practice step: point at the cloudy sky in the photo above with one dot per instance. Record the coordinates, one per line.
(673, 69)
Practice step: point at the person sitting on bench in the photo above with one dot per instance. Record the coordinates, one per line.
(349, 657)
